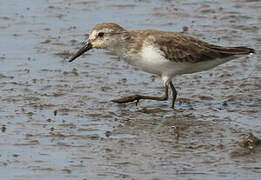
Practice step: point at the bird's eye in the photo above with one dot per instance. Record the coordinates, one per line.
(101, 34)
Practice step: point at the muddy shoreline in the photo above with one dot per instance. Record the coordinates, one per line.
(57, 120)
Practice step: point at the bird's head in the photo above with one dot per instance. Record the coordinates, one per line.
(103, 36)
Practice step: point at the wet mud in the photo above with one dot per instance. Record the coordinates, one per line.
(57, 118)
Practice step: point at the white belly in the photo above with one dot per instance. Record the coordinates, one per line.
(151, 60)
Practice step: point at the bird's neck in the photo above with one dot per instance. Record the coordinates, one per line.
(118, 49)
(120, 46)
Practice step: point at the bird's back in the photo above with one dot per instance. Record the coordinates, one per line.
(183, 48)
(172, 53)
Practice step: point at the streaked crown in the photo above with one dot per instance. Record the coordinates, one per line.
(107, 35)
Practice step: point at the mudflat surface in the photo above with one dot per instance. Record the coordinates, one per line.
(57, 121)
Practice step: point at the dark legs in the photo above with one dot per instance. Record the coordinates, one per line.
(138, 97)
(174, 94)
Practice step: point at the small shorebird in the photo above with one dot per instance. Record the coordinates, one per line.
(166, 54)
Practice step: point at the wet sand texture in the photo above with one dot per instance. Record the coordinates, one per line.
(57, 121)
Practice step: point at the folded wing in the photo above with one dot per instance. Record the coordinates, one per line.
(182, 48)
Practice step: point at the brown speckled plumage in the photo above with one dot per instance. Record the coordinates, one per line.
(183, 48)
(166, 54)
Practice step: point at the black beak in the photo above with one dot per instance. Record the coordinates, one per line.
(85, 48)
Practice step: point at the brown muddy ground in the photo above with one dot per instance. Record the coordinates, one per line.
(57, 122)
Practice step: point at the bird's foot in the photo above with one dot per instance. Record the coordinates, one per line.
(128, 99)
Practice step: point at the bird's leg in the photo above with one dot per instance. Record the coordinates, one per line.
(174, 94)
(137, 97)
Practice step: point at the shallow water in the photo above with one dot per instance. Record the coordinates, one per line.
(57, 121)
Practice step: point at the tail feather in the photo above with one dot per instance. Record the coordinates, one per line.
(240, 50)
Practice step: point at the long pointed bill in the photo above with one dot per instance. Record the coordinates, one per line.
(85, 48)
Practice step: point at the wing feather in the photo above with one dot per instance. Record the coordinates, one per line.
(181, 48)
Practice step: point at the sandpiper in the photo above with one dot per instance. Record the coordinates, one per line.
(166, 54)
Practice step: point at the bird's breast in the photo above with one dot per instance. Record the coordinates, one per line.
(148, 59)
